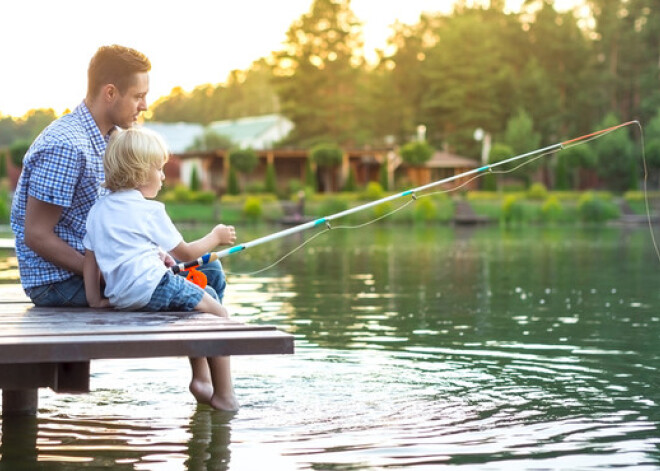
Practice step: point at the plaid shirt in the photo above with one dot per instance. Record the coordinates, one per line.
(64, 166)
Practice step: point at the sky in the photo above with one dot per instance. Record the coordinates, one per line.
(45, 45)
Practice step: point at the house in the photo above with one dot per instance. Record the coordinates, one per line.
(257, 132)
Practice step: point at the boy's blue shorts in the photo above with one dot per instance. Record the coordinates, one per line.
(174, 293)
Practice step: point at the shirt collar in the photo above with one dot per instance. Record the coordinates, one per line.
(98, 141)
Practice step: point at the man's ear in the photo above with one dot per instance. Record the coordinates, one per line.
(109, 92)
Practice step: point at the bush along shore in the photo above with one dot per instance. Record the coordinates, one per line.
(531, 207)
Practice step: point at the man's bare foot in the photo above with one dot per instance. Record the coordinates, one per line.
(202, 391)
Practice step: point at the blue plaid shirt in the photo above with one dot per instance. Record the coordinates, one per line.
(64, 166)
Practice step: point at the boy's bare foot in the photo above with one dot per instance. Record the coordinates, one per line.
(202, 391)
(225, 403)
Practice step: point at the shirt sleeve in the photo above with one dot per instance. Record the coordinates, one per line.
(164, 232)
(55, 174)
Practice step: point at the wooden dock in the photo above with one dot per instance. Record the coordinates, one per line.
(53, 347)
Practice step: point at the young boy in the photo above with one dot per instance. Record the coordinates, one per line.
(125, 233)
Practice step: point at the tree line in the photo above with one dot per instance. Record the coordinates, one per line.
(530, 78)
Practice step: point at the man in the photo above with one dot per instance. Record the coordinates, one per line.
(62, 174)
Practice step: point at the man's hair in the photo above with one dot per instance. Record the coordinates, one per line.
(116, 65)
(130, 156)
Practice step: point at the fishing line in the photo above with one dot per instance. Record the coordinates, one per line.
(417, 193)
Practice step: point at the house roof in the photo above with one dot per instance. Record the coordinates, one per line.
(178, 136)
(248, 131)
(444, 159)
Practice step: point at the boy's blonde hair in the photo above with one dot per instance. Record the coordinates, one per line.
(130, 156)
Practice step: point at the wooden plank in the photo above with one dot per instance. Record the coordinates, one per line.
(96, 346)
(28, 321)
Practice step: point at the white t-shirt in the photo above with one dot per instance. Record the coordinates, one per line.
(125, 231)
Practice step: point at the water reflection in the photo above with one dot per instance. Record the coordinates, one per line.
(490, 349)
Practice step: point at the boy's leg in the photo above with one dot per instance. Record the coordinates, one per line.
(201, 385)
(215, 277)
(219, 367)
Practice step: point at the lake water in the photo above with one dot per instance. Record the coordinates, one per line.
(427, 348)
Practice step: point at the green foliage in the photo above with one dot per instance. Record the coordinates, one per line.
(499, 152)
(552, 210)
(615, 157)
(373, 192)
(383, 177)
(592, 208)
(17, 151)
(210, 140)
(233, 187)
(270, 183)
(416, 153)
(519, 134)
(252, 208)
(195, 183)
(317, 74)
(332, 205)
(310, 177)
(243, 160)
(381, 210)
(3, 165)
(182, 194)
(537, 191)
(512, 209)
(5, 206)
(350, 184)
(326, 155)
(424, 210)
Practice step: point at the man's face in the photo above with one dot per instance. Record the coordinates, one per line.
(126, 107)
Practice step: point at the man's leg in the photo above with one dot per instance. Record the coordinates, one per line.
(67, 293)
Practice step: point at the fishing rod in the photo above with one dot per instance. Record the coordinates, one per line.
(212, 256)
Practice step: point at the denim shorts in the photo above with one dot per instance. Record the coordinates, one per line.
(67, 293)
(174, 293)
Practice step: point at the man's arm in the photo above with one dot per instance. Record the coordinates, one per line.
(40, 221)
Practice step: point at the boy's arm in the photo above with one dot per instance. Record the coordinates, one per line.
(220, 235)
(40, 221)
(92, 276)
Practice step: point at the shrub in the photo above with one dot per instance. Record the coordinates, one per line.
(416, 153)
(4, 206)
(243, 160)
(382, 209)
(373, 192)
(552, 209)
(252, 208)
(537, 191)
(512, 209)
(425, 210)
(350, 184)
(232, 182)
(195, 183)
(326, 155)
(3, 165)
(17, 151)
(592, 208)
(332, 206)
(270, 185)
(383, 177)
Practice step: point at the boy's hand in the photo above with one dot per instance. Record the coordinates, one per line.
(226, 234)
(167, 259)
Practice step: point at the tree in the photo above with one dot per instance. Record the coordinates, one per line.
(521, 138)
(18, 150)
(471, 73)
(270, 185)
(209, 141)
(243, 160)
(317, 73)
(416, 153)
(615, 156)
(328, 156)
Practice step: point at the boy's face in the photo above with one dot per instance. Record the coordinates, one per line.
(154, 182)
(126, 107)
